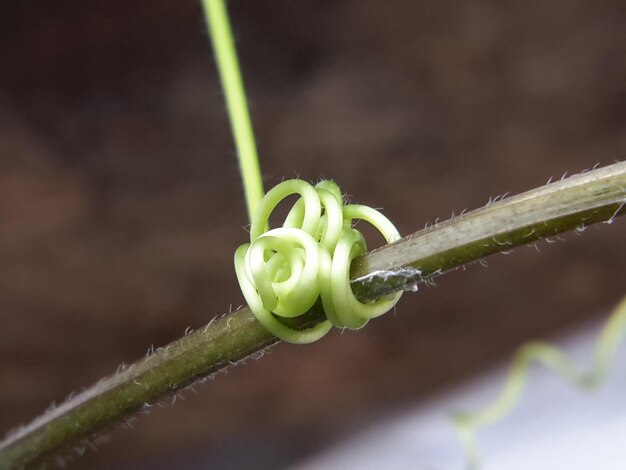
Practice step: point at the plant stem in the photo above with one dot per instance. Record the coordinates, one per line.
(574, 203)
(228, 66)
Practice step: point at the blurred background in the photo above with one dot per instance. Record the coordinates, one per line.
(121, 205)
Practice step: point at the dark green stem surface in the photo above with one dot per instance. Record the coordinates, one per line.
(573, 203)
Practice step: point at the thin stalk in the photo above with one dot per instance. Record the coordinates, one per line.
(228, 66)
(574, 203)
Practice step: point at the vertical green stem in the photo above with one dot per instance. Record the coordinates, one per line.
(232, 84)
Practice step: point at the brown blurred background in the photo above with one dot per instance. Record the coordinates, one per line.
(120, 200)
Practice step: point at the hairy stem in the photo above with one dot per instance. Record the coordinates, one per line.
(573, 203)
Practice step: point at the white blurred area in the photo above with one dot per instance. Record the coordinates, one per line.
(555, 426)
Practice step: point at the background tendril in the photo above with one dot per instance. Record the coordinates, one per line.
(609, 339)
(283, 271)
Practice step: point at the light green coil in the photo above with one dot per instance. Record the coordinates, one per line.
(609, 340)
(284, 270)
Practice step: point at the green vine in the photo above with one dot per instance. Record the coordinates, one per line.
(282, 272)
(609, 339)
(228, 65)
(375, 278)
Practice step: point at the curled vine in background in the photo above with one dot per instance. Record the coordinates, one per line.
(609, 339)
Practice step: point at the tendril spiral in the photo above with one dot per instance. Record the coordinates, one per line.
(609, 339)
(283, 271)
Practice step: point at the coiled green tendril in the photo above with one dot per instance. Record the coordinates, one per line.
(284, 270)
(609, 339)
